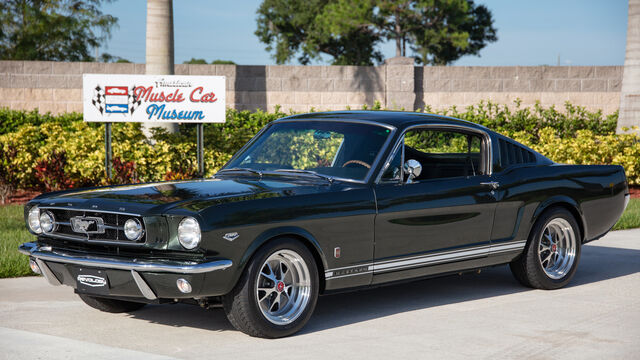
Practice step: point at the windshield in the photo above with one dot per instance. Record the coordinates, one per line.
(337, 149)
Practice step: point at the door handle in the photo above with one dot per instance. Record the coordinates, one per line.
(493, 184)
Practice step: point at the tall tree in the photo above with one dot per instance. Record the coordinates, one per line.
(437, 31)
(302, 28)
(60, 30)
(159, 49)
(445, 30)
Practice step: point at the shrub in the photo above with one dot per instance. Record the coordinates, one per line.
(60, 151)
(123, 172)
(587, 147)
(565, 124)
(12, 120)
(7, 171)
(50, 172)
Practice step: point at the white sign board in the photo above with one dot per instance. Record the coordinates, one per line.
(153, 98)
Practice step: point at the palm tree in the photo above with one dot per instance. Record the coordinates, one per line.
(160, 45)
(630, 94)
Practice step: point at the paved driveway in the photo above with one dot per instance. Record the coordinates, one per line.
(485, 315)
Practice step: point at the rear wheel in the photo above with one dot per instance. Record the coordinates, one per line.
(110, 305)
(552, 253)
(277, 293)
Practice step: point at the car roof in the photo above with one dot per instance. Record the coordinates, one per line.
(397, 119)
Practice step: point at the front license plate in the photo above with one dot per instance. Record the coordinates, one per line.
(92, 281)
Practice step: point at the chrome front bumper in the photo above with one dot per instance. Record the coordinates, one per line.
(45, 253)
(179, 267)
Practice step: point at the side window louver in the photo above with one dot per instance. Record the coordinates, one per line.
(512, 154)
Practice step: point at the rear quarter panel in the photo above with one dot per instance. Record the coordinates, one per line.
(595, 193)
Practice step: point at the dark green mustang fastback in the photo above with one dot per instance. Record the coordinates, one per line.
(322, 202)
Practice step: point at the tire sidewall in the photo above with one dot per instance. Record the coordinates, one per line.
(267, 327)
(534, 243)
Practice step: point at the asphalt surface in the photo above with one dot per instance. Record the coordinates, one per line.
(486, 315)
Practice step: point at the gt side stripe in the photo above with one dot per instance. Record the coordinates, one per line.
(430, 259)
(430, 255)
(343, 276)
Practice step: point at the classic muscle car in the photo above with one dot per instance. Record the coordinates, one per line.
(322, 202)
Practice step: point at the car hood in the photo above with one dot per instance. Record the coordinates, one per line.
(156, 198)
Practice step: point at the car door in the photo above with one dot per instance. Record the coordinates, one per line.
(445, 215)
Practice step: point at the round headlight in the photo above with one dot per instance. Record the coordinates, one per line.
(47, 221)
(34, 220)
(133, 229)
(189, 233)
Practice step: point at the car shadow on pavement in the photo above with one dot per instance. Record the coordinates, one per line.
(597, 263)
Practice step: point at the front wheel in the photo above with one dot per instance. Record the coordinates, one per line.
(277, 292)
(552, 253)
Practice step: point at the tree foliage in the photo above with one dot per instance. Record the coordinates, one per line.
(195, 61)
(203, 62)
(447, 30)
(58, 30)
(222, 62)
(436, 31)
(302, 28)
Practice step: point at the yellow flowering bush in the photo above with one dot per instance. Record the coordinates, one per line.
(84, 154)
(587, 148)
(32, 145)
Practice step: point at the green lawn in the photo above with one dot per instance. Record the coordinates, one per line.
(631, 217)
(14, 233)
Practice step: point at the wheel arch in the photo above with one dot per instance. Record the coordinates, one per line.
(566, 203)
(301, 235)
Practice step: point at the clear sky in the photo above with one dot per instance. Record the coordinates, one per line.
(580, 32)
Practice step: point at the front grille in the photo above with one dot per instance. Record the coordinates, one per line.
(113, 226)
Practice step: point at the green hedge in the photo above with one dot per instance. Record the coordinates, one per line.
(12, 120)
(55, 152)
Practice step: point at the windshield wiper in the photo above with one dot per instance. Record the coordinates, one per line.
(310, 172)
(253, 171)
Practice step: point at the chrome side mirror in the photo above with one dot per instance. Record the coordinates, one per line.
(413, 168)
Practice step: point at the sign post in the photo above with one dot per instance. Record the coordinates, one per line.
(200, 147)
(107, 149)
(154, 99)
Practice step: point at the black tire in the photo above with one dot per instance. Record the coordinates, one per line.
(242, 307)
(110, 305)
(528, 268)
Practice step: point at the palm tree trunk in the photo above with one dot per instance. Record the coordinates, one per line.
(160, 45)
(398, 41)
(630, 93)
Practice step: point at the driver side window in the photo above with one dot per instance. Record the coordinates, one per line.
(444, 153)
(436, 154)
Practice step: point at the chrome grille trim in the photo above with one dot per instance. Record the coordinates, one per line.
(112, 227)
(45, 207)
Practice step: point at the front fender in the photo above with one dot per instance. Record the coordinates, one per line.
(272, 233)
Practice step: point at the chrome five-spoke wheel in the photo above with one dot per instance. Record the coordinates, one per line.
(277, 292)
(557, 248)
(283, 287)
(551, 256)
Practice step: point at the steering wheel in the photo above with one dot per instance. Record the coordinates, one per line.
(357, 162)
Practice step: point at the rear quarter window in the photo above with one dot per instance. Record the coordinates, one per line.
(513, 154)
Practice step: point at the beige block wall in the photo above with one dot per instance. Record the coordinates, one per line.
(608, 102)
(56, 86)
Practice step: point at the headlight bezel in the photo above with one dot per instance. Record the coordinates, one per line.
(138, 227)
(51, 225)
(189, 233)
(33, 220)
